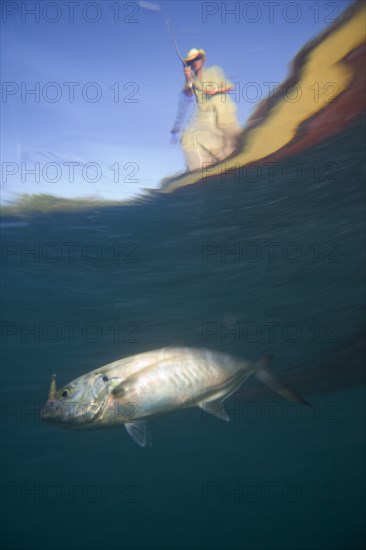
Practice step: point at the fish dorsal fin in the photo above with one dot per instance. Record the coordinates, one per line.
(139, 432)
(216, 408)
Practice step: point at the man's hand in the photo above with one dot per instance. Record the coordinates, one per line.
(189, 77)
(187, 71)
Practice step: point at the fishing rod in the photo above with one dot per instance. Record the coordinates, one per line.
(185, 64)
(157, 8)
(171, 33)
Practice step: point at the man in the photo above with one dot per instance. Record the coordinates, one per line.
(214, 132)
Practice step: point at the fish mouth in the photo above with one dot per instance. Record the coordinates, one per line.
(58, 412)
(51, 412)
(65, 409)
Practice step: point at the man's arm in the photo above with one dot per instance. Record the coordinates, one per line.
(188, 86)
(216, 82)
(184, 106)
(221, 90)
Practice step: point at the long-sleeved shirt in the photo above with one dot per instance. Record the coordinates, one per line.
(186, 108)
(207, 97)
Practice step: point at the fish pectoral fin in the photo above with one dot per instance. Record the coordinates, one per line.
(216, 408)
(119, 390)
(126, 386)
(139, 432)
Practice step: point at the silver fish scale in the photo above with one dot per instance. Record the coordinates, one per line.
(183, 379)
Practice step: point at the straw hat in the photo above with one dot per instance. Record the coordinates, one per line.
(193, 54)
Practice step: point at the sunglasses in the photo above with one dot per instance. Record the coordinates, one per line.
(190, 63)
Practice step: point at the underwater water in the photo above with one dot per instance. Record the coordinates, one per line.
(267, 260)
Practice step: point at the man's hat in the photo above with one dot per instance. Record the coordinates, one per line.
(194, 54)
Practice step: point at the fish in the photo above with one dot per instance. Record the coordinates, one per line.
(135, 389)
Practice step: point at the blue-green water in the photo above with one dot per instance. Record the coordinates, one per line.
(81, 289)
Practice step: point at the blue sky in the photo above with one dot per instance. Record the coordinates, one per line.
(106, 80)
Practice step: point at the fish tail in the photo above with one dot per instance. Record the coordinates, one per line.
(263, 373)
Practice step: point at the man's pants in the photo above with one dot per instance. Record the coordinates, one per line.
(204, 142)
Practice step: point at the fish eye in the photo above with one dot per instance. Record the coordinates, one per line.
(105, 378)
(66, 392)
